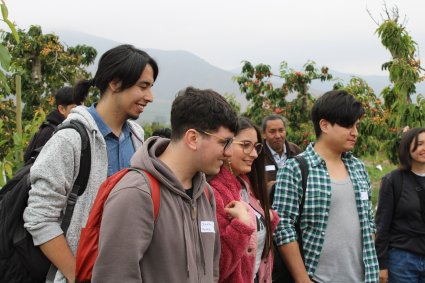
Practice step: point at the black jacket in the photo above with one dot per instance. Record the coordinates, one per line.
(44, 133)
(398, 217)
(291, 150)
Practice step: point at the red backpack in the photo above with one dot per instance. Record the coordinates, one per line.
(88, 245)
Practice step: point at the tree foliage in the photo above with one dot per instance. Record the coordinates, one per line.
(405, 72)
(45, 65)
(265, 98)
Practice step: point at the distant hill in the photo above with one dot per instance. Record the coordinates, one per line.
(179, 69)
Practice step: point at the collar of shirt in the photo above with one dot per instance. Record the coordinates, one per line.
(316, 159)
(274, 153)
(103, 128)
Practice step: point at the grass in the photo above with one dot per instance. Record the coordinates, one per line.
(375, 174)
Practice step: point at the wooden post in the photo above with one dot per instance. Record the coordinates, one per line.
(20, 154)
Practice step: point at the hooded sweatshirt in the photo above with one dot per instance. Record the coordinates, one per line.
(44, 133)
(53, 174)
(183, 245)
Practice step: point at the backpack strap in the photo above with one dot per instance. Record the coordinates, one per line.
(155, 192)
(397, 177)
(80, 183)
(304, 175)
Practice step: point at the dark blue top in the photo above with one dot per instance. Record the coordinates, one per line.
(120, 149)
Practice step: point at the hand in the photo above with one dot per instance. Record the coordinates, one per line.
(236, 209)
(383, 276)
(271, 214)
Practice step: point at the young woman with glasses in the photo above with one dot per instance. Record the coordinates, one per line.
(246, 222)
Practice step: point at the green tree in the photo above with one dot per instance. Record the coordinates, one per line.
(231, 99)
(265, 98)
(4, 53)
(404, 73)
(373, 129)
(45, 65)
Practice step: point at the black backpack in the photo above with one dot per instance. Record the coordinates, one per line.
(20, 260)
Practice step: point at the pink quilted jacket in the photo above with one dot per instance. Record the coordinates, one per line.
(238, 240)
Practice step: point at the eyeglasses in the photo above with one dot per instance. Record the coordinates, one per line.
(248, 146)
(227, 142)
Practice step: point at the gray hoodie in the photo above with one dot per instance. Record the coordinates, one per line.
(53, 175)
(184, 243)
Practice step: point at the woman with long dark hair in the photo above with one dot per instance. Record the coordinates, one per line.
(245, 219)
(400, 217)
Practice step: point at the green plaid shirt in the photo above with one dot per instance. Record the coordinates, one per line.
(315, 214)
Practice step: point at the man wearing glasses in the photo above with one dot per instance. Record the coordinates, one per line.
(183, 244)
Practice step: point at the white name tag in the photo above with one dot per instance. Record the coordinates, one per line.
(207, 227)
(364, 196)
(270, 168)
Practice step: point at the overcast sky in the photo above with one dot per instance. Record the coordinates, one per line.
(336, 33)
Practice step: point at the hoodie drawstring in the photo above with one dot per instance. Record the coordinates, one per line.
(94, 139)
(184, 235)
(202, 251)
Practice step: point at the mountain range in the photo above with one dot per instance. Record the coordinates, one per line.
(179, 69)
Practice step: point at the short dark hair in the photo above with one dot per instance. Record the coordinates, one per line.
(271, 117)
(162, 132)
(201, 109)
(124, 63)
(337, 107)
(404, 151)
(64, 96)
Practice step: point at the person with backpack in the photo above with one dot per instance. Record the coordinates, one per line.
(400, 216)
(64, 101)
(182, 243)
(333, 216)
(124, 77)
(246, 222)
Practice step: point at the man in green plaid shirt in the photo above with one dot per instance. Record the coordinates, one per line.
(336, 222)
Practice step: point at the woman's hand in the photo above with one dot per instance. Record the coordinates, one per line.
(383, 276)
(236, 209)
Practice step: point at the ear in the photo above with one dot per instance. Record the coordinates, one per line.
(324, 125)
(115, 85)
(62, 110)
(191, 138)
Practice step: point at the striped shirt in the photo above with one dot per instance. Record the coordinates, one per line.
(315, 214)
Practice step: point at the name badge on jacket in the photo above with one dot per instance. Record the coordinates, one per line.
(270, 168)
(207, 227)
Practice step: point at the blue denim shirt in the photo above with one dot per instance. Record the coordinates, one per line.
(120, 149)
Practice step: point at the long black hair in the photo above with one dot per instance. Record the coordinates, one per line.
(258, 182)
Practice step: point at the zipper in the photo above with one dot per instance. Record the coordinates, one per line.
(193, 209)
